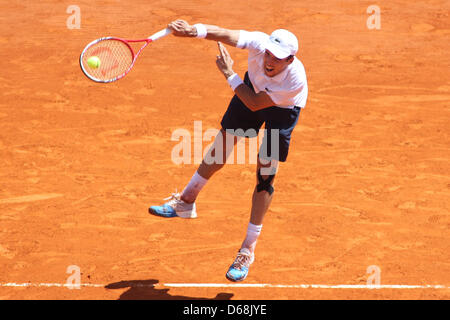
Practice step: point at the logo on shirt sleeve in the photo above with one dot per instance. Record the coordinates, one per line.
(267, 89)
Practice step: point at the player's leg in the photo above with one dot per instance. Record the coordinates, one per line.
(265, 176)
(213, 161)
(262, 197)
(183, 205)
(279, 126)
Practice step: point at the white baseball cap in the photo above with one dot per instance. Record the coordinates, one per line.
(282, 43)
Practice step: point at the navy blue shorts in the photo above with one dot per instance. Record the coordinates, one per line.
(279, 123)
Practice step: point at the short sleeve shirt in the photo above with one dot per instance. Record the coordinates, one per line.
(288, 88)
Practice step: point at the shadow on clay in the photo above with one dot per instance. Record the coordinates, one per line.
(146, 290)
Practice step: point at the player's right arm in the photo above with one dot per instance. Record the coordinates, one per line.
(181, 28)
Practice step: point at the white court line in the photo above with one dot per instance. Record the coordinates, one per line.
(12, 284)
(238, 285)
(301, 286)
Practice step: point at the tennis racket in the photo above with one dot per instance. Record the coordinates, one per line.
(115, 56)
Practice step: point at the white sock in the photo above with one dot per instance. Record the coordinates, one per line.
(193, 188)
(253, 232)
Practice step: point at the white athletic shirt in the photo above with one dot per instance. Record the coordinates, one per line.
(288, 88)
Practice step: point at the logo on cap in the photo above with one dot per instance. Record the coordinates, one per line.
(282, 43)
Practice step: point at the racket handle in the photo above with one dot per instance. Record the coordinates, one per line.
(160, 34)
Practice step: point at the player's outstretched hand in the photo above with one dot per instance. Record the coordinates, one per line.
(224, 61)
(181, 28)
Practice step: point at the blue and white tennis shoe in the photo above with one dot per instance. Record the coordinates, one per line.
(175, 207)
(238, 271)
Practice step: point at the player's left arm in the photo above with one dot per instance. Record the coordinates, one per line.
(253, 101)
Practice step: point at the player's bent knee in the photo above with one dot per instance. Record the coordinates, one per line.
(265, 184)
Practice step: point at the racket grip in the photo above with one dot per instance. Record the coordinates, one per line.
(160, 34)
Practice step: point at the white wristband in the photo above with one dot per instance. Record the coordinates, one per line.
(234, 81)
(201, 30)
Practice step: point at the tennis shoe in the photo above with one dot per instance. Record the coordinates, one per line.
(238, 271)
(175, 207)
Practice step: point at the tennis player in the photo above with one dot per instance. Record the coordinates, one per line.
(273, 91)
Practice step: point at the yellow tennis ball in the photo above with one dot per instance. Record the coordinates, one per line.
(93, 62)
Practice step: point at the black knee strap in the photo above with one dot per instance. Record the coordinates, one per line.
(264, 185)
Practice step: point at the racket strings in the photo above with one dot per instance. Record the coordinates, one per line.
(115, 56)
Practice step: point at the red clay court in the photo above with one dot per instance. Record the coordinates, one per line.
(367, 181)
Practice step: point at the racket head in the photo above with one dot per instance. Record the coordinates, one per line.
(116, 59)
